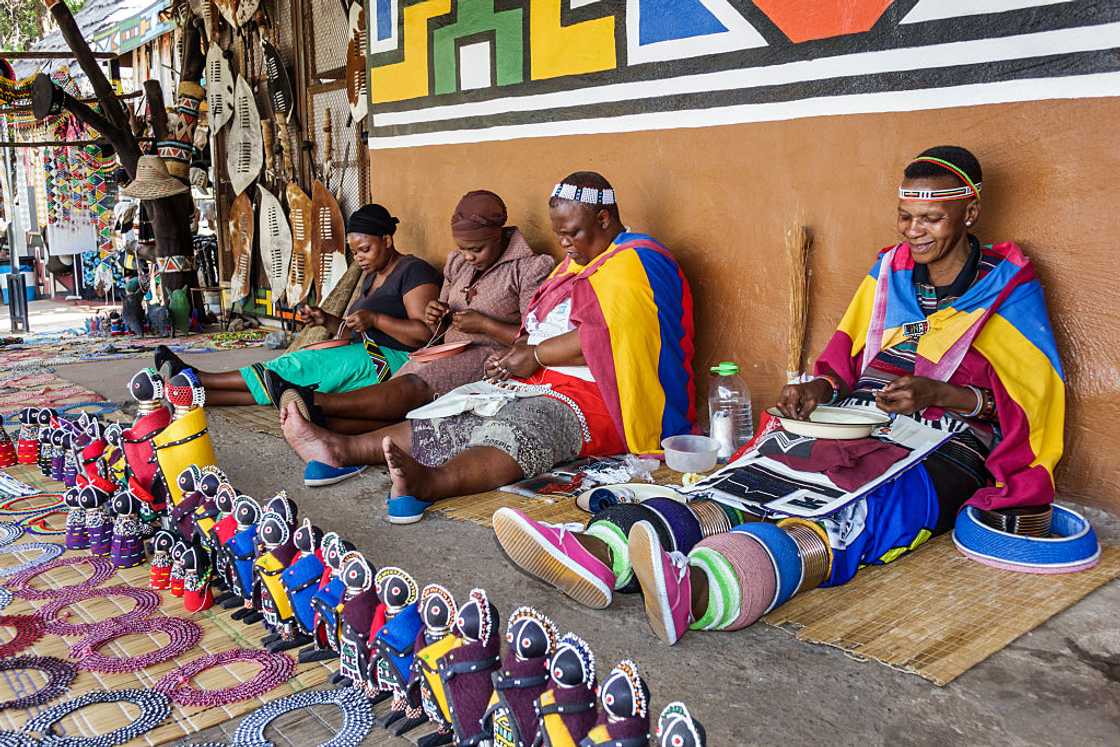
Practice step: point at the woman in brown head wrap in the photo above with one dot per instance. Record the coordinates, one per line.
(488, 281)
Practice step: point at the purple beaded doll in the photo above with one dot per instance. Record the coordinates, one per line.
(128, 544)
(77, 538)
(99, 524)
(58, 454)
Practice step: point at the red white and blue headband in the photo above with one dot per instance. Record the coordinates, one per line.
(586, 195)
(966, 191)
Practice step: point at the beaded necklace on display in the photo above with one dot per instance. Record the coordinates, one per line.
(147, 601)
(48, 551)
(9, 533)
(357, 717)
(276, 669)
(37, 525)
(7, 510)
(5, 597)
(154, 709)
(59, 673)
(20, 584)
(183, 635)
(29, 629)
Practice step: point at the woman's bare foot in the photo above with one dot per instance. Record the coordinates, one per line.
(310, 441)
(408, 475)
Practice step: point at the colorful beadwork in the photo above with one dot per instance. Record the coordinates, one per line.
(20, 584)
(29, 629)
(183, 634)
(154, 709)
(59, 676)
(147, 601)
(9, 533)
(357, 717)
(5, 598)
(48, 551)
(276, 669)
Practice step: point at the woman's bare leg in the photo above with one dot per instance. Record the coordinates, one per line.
(228, 381)
(388, 401)
(356, 426)
(473, 470)
(313, 443)
(228, 397)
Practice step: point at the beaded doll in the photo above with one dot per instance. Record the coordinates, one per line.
(437, 612)
(159, 575)
(146, 387)
(241, 550)
(197, 595)
(677, 728)
(77, 536)
(624, 717)
(58, 453)
(8, 456)
(27, 440)
(71, 442)
(531, 639)
(393, 642)
(358, 608)
(206, 514)
(99, 524)
(225, 525)
(45, 417)
(327, 602)
(301, 577)
(566, 710)
(128, 545)
(182, 513)
(466, 670)
(178, 550)
(276, 554)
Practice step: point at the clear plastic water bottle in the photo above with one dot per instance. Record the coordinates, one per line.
(730, 419)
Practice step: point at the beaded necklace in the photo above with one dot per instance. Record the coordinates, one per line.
(276, 669)
(357, 717)
(59, 673)
(183, 634)
(146, 602)
(48, 551)
(20, 584)
(154, 709)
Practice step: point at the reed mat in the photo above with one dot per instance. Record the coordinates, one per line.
(936, 614)
(219, 632)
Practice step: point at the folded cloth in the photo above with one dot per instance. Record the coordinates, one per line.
(850, 464)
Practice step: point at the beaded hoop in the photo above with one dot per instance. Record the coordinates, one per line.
(16, 739)
(7, 510)
(20, 583)
(48, 551)
(60, 674)
(5, 597)
(276, 669)
(9, 533)
(37, 524)
(357, 717)
(154, 708)
(29, 629)
(146, 602)
(184, 634)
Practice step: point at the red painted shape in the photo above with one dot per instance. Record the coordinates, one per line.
(806, 20)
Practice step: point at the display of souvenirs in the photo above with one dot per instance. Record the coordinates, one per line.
(566, 711)
(277, 552)
(128, 543)
(301, 578)
(359, 608)
(241, 550)
(531, 639)
(437, 613)
(327, 602)
(393, 641)
(466, 670)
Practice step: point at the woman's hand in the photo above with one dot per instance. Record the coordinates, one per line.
(314, 315)
(470, 322)
(799, 400)
(361, 320)
(909, 394)
(517, 361)
(434, 312)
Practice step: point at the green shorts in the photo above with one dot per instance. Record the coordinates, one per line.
(340, 369)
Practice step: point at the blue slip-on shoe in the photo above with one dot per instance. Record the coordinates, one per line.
(317, 474)
(404, 509)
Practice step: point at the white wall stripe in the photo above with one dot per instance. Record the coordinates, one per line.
(1097, 85)
(935, 10)
(980, 51)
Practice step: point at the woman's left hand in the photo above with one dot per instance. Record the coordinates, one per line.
(360, 320)
(470, 322)
(909, 394)
(519, 361)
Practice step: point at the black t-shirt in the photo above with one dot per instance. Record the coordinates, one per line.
(409, 273)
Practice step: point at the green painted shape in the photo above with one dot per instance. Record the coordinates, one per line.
(473, 17)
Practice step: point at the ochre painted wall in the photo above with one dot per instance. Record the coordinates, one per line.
(722, 197)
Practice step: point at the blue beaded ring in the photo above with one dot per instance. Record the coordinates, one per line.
(783, 553)
(357, 717)
(681, 522)
(9, 533)
(48, 551)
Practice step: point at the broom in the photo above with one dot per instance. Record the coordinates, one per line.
(798, 244)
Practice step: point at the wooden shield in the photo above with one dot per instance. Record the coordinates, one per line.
(219, 88)
(301, 271)
(328, 240)
(241, 226)
(279, 84)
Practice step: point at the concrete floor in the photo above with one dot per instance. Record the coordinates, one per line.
(1059, 684)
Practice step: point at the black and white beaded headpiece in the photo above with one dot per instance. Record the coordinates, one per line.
(586, 195)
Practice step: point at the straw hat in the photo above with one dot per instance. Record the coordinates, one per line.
(152, 181)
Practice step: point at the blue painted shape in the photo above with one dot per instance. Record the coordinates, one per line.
(384, 19)
(667, 20)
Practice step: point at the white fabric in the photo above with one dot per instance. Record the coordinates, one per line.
(480, 397)
(556, 322)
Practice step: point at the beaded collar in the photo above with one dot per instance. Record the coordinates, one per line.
(154, 709)
(146, 602)
(20, 584)
(29, 629)
(276, 669)
(357, 716)
(59, 673)
(183, 634)
(48, 551)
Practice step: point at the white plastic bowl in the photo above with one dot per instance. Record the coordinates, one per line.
(690, 453)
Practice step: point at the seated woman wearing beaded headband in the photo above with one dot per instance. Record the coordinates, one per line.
(603, 366)
(383, 324)
(944, 330)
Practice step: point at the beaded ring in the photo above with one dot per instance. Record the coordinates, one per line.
(276, 669)
(6, 508)
(16, 739)
(357, 717)
(184, 635)
(146, 602)
(29, 629)
(9, 533)
(5, 597)
(37, 525)
(59, 673)
(21, 583)
(154, 708)
(48, 551)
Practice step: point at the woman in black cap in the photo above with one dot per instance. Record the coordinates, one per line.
(383, 325)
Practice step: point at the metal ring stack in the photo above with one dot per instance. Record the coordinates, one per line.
(713, 519)
(812, 546)
(1029, 521)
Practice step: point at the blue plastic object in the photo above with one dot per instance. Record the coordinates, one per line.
(317, 474)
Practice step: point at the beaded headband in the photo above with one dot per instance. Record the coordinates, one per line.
(529, 613)
(629, 669)
(391, 571)
(355, 557)
(572, 642)
(482, 601)
(968, 190)
(586, 195)
(211, 469)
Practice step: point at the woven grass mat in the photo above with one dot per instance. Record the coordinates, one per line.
(936, 614)
(30, 474)
(257, 418)
(220, 632)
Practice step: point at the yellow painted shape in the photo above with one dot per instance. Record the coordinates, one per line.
(556, 50)
(408, 79)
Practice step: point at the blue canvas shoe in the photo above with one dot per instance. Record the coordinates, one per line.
(318, 474)
(404, 509)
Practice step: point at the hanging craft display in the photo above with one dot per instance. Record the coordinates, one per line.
(241, 227)
(20, 584)
(244, 148)
(47, 551)
(357, 91)
(219, 88)
(357, 717)
(276, 669)
(60, 674)
(328, 240)
(301, 270)
(29, 629)
(145, 603)
(154, 709)
(244, 11)
(183, 635)
(228, 9)
(276, 242)
(279, 84)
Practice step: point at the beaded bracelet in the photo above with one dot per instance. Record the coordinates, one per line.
(9, 533)
(59, 673)
(183, 634)
(146, 602)
(48, 551)
(29, 629)
(21, 582)
(276, 669)
(154, 709)
(357, 717)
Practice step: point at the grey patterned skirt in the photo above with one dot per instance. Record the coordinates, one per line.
(537, 432)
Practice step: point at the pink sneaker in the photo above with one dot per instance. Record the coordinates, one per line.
(554, 554)
(666, 586)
